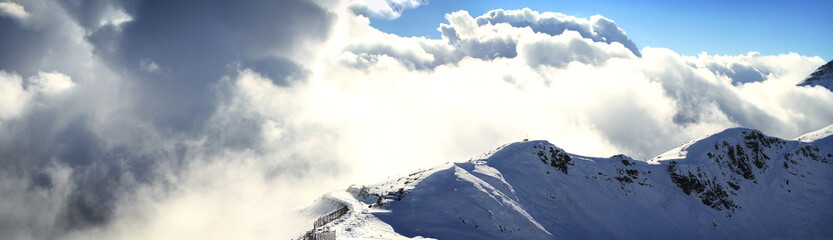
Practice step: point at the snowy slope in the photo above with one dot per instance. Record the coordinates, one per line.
(738, 183)
(817, 135)
(823, 76)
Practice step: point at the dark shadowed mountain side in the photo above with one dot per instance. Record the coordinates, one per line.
(823, 76)
(738, 183)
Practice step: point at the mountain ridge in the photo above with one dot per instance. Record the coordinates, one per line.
(735, 183)
(823, 76)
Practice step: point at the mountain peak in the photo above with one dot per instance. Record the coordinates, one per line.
(737, 180)
(731, 134)
(823, 76)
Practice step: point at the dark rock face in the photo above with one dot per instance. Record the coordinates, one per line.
(629, 172)
(743, 158)
(555, 157)
(710, 192)
(733, 162)
(823, 76)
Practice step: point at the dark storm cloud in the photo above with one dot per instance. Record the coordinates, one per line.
(198, 43)
(22, 48)
(167, 60)
(280, 70)
(44, 137)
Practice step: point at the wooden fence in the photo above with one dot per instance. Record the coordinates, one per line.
(323, 220)
(319, 236)
(330, 217)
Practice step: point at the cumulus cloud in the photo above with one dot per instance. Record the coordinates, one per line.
(597, 28)
(13, 10)
(497, 34)
(16, 96)
(567, 47)
(222, 122)
(690, 96)
(384, 9)
(51, 83)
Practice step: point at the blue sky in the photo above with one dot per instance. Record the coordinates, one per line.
(687, 27)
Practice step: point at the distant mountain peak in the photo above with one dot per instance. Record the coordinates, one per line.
(823, 76)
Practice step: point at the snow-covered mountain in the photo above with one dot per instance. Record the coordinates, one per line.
(738, 183)
(823, 76)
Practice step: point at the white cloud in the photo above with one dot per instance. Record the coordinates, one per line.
(384, 9)
(231, 197)
(114, 16)
(567, 47)
(496, 34)
(13, 10)
(148, 65)
(13, 98)
(551, 85)
(597, 28)
(51, 83)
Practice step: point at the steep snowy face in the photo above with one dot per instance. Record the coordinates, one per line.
(818, 135)
(823, 76)
(736, 183)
